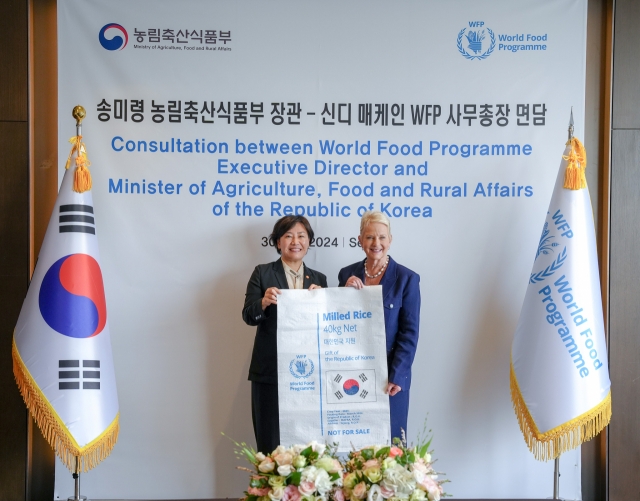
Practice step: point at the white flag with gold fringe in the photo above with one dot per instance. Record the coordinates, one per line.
(560, 384)
(62, 358)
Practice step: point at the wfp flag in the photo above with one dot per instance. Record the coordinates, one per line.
(61, 346)
(560, 384)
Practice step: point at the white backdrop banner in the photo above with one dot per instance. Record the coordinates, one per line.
(332, 367)
(207, 121)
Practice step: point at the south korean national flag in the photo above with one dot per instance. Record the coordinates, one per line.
(354, 386)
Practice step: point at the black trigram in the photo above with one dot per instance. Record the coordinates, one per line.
(364, 393)
(362, 377)
(338, 395)
(70, 375)
(338, 378)
(77, 218)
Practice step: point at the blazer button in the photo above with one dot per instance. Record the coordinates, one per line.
(391, 305)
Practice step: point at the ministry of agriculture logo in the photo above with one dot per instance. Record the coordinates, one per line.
(476, 42)
(119, 37)
(301, 367)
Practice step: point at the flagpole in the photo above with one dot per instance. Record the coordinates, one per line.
(556, 462)
(76, 479)
(556, 478)
(78, 113)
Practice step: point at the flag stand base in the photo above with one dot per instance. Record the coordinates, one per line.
(76, 478)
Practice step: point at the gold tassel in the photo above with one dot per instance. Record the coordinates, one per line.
(54, 430)
(553, 443)
(574, 175)
(82, 177)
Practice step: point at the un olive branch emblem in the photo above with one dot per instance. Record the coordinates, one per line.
(475, 43)
(549, 270)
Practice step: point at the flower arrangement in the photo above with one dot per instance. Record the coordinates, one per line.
(313, 472)
(394, 472)
(309, 472)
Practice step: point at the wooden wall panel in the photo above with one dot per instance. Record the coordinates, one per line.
(624, 331)
(626, 82)
(14, 236)
(14, 279)
(13, 60)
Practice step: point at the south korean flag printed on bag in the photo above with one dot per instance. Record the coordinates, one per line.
(351, 386)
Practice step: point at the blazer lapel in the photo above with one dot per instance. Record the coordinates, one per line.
(389, 278)
(281, 278)
(307, 278)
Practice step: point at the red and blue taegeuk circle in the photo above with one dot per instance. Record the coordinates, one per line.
(351, 386)
(72, 297)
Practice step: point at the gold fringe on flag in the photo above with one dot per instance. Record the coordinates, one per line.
(552, 444)
(82, 177)
(55, 431)
(574, 176)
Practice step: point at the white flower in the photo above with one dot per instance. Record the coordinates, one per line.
(297, 449)
(276, 493)
(259, 456)
(299, 461)
(285, 470)
(267, 465)
(279, 450)
(322, 481)
(417, 495)
(374, 493)
(308, 474)
(400, 480)
(317, 447)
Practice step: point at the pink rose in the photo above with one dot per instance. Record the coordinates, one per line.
(254, 491)
(371, 463)
(307, 488)
(338, 495)
(395, 451)
(360, 490)
(385, 492)
(291, 493)
(429, 484)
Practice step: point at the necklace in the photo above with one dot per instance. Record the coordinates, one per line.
(377, 274)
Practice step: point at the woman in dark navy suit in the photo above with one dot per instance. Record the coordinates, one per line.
(401, 301)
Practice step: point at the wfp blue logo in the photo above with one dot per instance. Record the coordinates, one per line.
(301, 367)
(473, 43)
(116, 42)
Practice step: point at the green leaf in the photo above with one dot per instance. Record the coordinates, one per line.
(334, 476)
(383, 451)
(306, 452)
(294, 478)
(367, 453)
(251, 498)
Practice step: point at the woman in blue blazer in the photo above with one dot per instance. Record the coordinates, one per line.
(401, 301)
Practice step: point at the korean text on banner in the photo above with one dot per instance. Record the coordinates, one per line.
(332, 367)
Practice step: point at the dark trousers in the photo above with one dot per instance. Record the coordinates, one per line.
(399, 409)
(265, 415)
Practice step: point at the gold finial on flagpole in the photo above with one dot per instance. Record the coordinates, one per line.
(79, 113)
(82, 178)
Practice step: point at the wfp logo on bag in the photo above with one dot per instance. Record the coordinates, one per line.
(116, 42)
(476, 42)
(301, 367)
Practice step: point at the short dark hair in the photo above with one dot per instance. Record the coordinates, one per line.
(284, 224)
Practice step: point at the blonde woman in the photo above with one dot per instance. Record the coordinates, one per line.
(401, 301)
